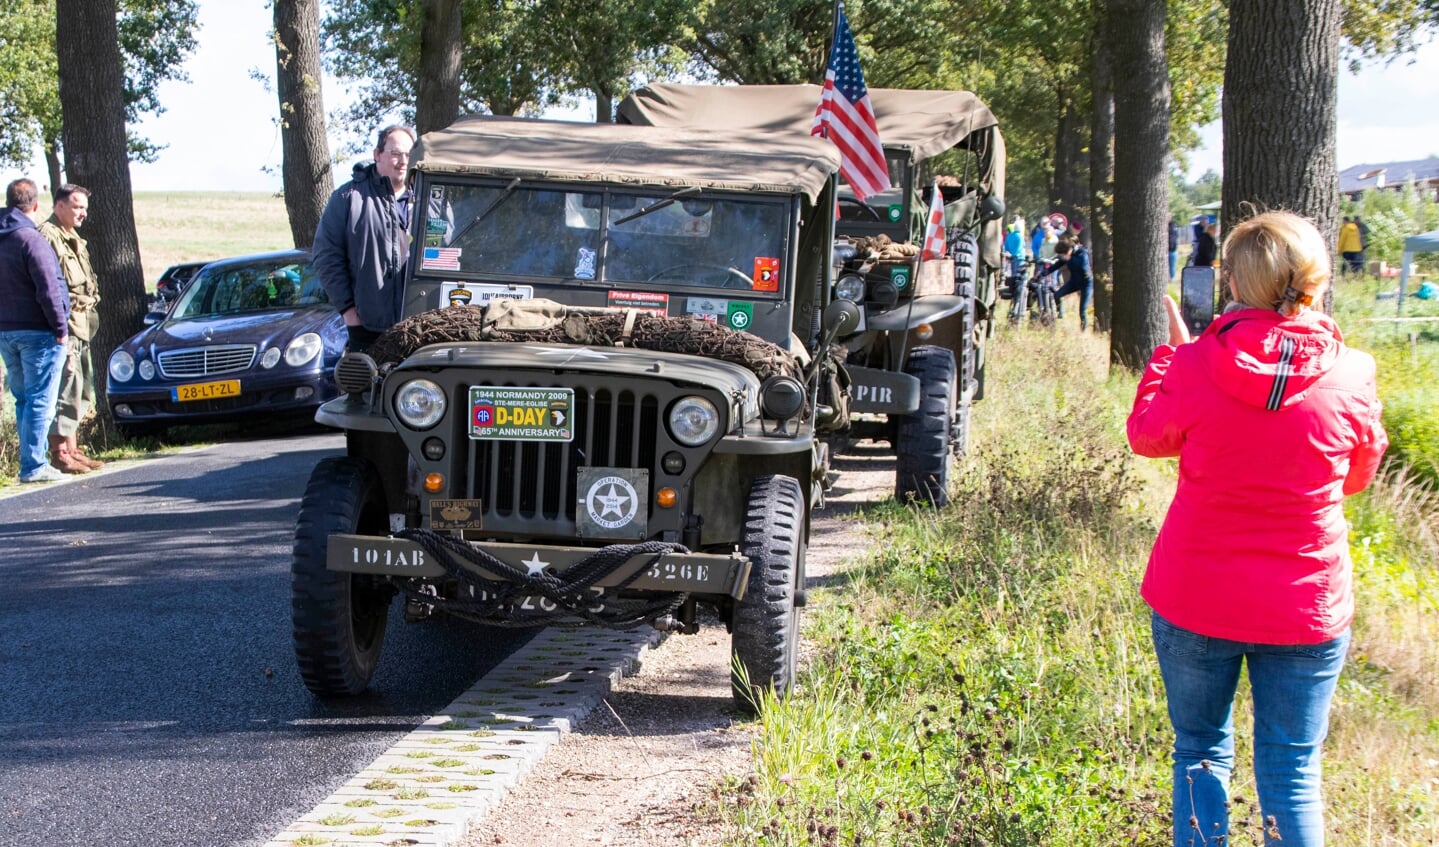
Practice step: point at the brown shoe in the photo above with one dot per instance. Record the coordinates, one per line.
(61, 458)
(89, 463)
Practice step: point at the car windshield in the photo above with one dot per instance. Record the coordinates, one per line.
(230, 289)
(685, 237)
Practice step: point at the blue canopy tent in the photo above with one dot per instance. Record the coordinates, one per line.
(1424, 243)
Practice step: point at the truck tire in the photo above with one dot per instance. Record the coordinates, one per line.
(923, 439)
(764, 645)
(339, 618)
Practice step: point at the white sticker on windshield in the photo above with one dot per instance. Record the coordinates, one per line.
(585, 264)
(479, 294)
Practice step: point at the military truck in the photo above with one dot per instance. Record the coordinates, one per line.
(601, 406)
(921, 341)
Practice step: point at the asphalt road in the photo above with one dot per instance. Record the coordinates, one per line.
(148, 690)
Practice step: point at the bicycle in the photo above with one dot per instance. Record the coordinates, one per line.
(1033, 294)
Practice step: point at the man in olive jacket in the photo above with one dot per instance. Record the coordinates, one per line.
(362, 243)
(77, 376)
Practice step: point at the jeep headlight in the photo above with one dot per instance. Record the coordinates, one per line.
(420, 404)
(850, 287)
(303, 349)
(122, 366)
(693, 421)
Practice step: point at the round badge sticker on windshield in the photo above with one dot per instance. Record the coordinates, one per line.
(611, 502)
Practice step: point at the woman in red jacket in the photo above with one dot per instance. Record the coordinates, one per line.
(1274, 422)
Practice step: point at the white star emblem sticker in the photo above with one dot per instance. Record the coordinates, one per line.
(534, 565)
(571, 352)
(612, 502)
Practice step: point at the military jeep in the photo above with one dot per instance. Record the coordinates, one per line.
(916, 358)
(601, 405)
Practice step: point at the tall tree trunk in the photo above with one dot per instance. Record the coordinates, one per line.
(604, 107)
(52, 164)
(306, 167)
(1069, 188)
(1141, 183)
(438, 98)
(1101, 172)
(92, 107)
(1279, 110)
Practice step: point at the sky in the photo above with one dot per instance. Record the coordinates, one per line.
(221, 134)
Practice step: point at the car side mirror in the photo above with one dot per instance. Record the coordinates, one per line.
(152, 318)
(991, 208)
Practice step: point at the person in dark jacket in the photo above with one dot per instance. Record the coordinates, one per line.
(1072, 260)
(363, 242)
(1206, 248)
(1274, 421)
(34, 311)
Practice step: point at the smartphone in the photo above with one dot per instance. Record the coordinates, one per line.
(1197, 290)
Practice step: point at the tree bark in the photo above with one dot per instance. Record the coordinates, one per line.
(1141, 183)
(1101, 173)
(604, 106)
(306, 168)
(1279, 110)
(92, 106)
(438, 98)
(1069, 188)
(52, 164)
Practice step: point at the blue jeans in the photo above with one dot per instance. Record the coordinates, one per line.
(32, 366)
(1292, 686)
(1085, 292)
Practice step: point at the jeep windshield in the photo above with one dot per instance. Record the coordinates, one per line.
(584, 235)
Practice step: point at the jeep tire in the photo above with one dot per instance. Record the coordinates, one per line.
(923, 439)
(764, 646)
(339, 618)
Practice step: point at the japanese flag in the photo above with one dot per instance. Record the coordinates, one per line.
(934, 231)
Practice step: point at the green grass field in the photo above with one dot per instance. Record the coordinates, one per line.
(183, 226)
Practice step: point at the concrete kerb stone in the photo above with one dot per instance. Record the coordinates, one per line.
(433, 785)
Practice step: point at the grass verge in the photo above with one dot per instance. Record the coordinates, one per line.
(998, 685)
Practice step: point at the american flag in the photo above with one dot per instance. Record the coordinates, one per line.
(846, 117)
(441, 258)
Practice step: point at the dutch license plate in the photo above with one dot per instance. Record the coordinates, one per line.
(521, 414)
(205, 390)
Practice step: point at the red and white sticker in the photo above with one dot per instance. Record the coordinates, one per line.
(645, 301)
(766, 273)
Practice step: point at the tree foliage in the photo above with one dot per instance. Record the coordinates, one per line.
(155, 37)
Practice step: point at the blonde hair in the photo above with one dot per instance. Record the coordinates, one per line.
(1277, 260)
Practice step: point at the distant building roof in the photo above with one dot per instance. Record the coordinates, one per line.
(1387, 175)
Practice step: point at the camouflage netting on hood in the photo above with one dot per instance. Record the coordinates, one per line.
(547, 322)
(881, 247)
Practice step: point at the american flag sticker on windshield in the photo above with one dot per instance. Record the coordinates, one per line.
(441, 259)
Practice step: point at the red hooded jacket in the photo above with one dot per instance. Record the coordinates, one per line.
(1274, 421)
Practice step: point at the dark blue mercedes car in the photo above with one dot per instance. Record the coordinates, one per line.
(249, 336)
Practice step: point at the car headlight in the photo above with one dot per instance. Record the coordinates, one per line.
(271, 358)
(693, 421)
(303, 349)
(850, 287)
(146, 369)
(122, 366)
(420, 404)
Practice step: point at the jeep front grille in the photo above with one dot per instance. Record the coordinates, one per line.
(206, 361)
(519, 482)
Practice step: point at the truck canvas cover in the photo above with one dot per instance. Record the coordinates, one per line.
(650, 156)
(926, 123)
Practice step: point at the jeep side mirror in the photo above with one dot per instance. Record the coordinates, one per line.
(840, 317)
(991, 208)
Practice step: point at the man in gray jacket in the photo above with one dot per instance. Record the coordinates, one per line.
(363, 242)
